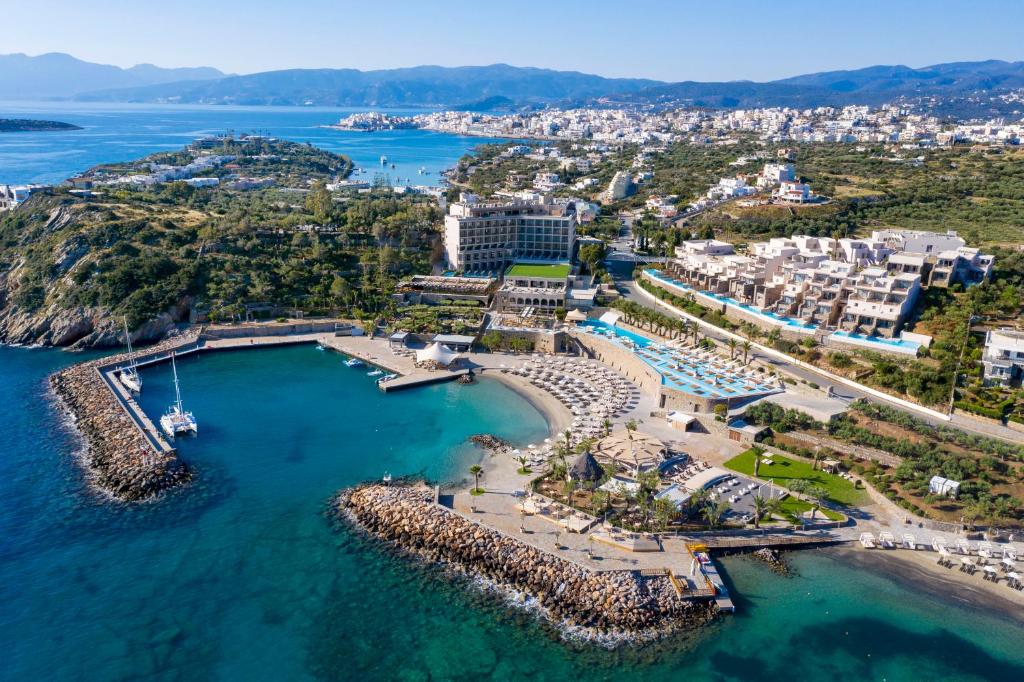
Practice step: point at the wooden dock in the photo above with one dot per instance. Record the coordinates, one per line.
(421, 379)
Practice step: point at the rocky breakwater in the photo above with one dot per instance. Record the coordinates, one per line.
(119, 459)
(608, 606)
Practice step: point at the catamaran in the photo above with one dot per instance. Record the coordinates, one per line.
(130, 374)
(177, 420)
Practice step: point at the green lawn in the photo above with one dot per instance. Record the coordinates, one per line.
(784, 470)
(552, 270)
(794, 508)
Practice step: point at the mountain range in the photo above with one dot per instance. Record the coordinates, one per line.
(59, 76)
(498, 86)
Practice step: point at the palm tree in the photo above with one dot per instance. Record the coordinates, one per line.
(570, 488)
(522, 464)
(817, 495)
(760, 509)
(714, 512)
(746, 351)
(476, 470)
(773, 336)
(607, 424)
(732, 348)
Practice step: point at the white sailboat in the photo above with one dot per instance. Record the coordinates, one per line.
(177, 420)
(130, 375)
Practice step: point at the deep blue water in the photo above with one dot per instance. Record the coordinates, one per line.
(120, 132)
(240, 576)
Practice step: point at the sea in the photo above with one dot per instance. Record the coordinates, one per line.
(121, 132)
(245, 574)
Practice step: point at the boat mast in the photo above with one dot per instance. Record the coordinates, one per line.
(131, 352)
(177, 391)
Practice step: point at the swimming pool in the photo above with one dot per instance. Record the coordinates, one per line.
(767, 316)
(697, 372)
(878, 342)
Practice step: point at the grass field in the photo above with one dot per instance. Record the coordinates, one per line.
(553, 270)
(783, 471)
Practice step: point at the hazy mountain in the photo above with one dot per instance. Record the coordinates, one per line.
(871, 85)
(58, 75)
(494, 87)
(416, 86)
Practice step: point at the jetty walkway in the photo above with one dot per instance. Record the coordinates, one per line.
(122, 437)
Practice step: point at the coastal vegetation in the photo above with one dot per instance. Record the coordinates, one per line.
(26, 125)
(797, 475)
(71, 264)
(910, 452)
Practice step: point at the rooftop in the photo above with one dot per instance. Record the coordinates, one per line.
(550, 270)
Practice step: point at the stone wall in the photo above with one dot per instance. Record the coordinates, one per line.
(118, 458)
(616, 605)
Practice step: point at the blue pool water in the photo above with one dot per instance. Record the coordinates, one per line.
(878, 342)
(679, 371)
(119, 132)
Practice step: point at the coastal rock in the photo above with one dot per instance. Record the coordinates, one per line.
(613, 606)
(118, 457)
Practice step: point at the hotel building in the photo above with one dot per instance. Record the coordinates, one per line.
(488, 237)
(1003, 358)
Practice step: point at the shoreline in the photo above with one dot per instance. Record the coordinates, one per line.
(916, 570)
(608, 609)
(556, 415)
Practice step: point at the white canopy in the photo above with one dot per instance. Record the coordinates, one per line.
(435, 352)
(576, 315)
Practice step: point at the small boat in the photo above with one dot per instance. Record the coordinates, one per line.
(387, 377)
(177, 420)
(354, 362)
(374, 373)
(387, 478)
(383, 160)
(130, 375)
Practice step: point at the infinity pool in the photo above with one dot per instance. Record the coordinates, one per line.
(685, 369)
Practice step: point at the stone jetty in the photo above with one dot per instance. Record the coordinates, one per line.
(119, 458)
(610, 606)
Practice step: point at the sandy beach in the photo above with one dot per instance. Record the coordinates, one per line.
(557, 415)
(920, 571)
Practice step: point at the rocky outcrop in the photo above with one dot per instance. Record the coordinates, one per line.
(773, 559)
(81, 327)
(614, 606)
(118, 458)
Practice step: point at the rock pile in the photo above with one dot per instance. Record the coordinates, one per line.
(610, 605)
(119, 458)
(773, 559)
(490, 443)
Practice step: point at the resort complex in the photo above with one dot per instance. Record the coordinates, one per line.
(628, 358)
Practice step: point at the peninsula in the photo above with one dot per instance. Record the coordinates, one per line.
(25, 125)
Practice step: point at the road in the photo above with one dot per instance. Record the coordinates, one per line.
(846, 393)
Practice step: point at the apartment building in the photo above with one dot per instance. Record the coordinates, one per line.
(879, 303)
(1003, 358)
(488, 237)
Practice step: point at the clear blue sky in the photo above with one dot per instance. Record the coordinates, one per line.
(682, 40)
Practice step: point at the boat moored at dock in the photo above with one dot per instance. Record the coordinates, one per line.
(176, 420)
(129, 376)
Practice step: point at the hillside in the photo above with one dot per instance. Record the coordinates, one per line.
(416, 86)
(72, 265)
(58, 75)
(510, 86)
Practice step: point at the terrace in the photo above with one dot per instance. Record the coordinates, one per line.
(687, 368)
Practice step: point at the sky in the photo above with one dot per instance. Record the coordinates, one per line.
(672, 41)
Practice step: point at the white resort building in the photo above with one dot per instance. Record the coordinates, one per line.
(1003, 358)
(488, 237)
(861, 285)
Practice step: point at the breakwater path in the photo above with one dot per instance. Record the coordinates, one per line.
(126, 455)
(612, 606)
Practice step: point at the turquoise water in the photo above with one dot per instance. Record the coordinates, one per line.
(120, 132)
(241, 576)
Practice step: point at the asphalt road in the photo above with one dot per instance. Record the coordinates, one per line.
(840, 391)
